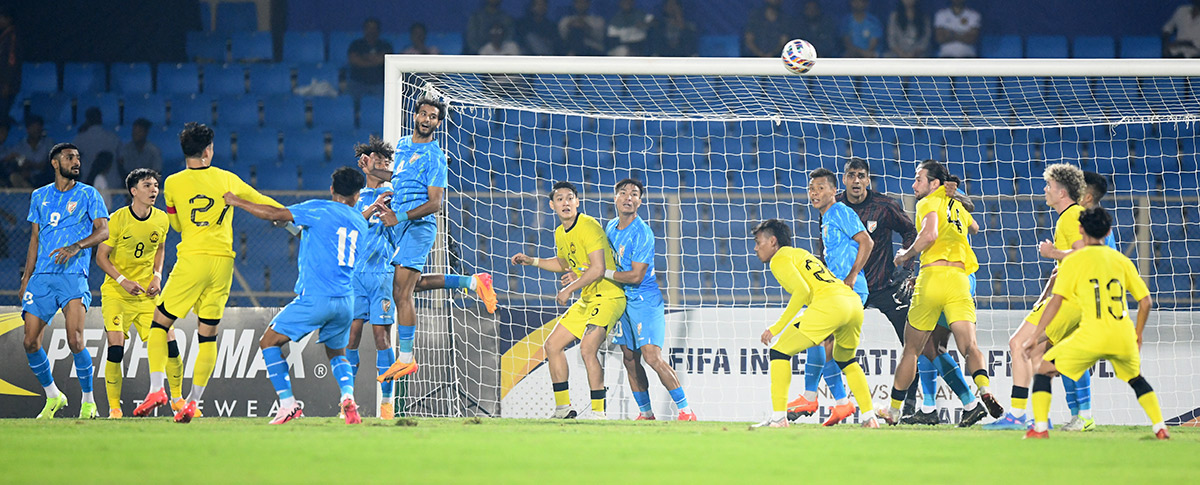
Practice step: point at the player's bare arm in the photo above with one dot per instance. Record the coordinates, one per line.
(1142, 316)
(261, 211)
(926, 238)
(103, 251)
(30, 258)
(865, 245)
(99, 234)
(593, 273)
(1047, 250)
(160, 258)
(430, 206)
(554, 265)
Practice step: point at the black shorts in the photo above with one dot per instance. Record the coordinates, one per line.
(884, 299)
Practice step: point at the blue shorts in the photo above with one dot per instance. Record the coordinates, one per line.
(414, 240)
(46, 293)
(306, 314)
(643, 323)
(373, 298)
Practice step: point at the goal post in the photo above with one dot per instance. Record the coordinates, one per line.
(723, 143)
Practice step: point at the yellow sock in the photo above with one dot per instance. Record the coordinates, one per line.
(1149, 402)
(981, 380)
(562, 394)
(206, 360)
(156, 349)
(175, 376)
(598, 405)
(857, 381)
(1041, 406)
(112, 383)
(781, 380)
(1020, 403)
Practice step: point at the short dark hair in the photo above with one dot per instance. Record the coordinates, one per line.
(777, 228)
(143, 123)
(934, 171)
(1096, 184)
(417, 25)
(824, 173)
(373, 20)
(138, 175)
(194, 138)
(374, 145)
(56, 149)
(432, 101)
(563, 185)
(855, 163)
(635, 182)
(347, 181)
(1095, 222)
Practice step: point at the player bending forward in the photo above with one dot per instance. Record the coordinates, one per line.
(833, 309)
(1096, 279)
(324, 303)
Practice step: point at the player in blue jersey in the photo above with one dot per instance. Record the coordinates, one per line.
(846, 246)
(373, 279)
(69, 218)
(642, 328)
(329, 252)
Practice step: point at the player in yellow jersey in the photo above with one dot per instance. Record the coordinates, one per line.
(582, 247)
(1095, 278)
(201, 278)
(942, 288)
(833, 309)
(1064, 187)
(132, 257)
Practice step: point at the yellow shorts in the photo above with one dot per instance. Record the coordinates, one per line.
(941, 290)
(122, 310)
(199, 284)
(840, 317)
(601, 312)
(1064, 322)
(1081, 350)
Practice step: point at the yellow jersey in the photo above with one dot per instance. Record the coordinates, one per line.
(1066, 230)
(196, 208)
(575, 243)
(134, 242)
(1096, 278)
(953, 223)
(804, 277)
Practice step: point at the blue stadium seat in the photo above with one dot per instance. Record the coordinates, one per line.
(1001, 46)
(257, 147)
(270, 79)
(39, 77)
(304, 147)
(167, 141)
(448, 43)
(132, 78)
(206, 19)
(304, 47)
(318, 176)
(207, 47)
(342, 144)
(1046, 46)
(83, 78)
(719, 46)
(308, 73)
(236, 17)
(224, 80)
(272, 177)
(1141, 46)
(339, 44)
(178, 79)
(185, 109)
(284, 112)
(251, 46)
(237, 112)
(152, 107)
(370, 113)
(331, 113)
(1094, 47)
(222, 148)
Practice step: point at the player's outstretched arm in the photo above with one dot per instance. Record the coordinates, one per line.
(98, 235)
(593, 273)
(30, 258)
(635, 275)
(261, 211)
(926, 238)
(553, 265)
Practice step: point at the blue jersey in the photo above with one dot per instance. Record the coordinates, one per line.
(328, 246)
(64, 218)
(415, 168)
(375, 246)
(839, 224)
(634, 244)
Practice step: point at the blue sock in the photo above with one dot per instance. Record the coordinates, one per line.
(406, 334)
(952, 374)
(1083, 392)
(277, 372)
(1072, 401)
(456, 281)
(928, 377)
(833, 379)
(341, 371)
(678, 397)
(814, 365)
(384, 359)
(84, 371)
(40, 366)
(642, 398)
(352, 357)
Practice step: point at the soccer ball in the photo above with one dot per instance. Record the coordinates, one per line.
(798, 56)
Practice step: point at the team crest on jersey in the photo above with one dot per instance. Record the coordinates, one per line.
(154, 237)
(387, 305)
(871, 225)
(71, 206)
(621, 253)
(572, 248)
(117, 320)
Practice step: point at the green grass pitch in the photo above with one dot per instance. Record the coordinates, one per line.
(321, 450)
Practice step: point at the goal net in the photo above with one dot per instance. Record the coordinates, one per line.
(722, 144)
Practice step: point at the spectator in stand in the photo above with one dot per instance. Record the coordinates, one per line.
(98, 143)
(957, 28)
(479, 26)
(582, 33)
(499, 43)
(813, 27)
(32, 155)
(671, 34)
(766, 31)
(627, 30)
(909, 30)
(536, 34)
(7, 162)
(1181, 33)
(10, 62)
(862, 33)
(416, 39)
(139, 152)
(366, 62)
